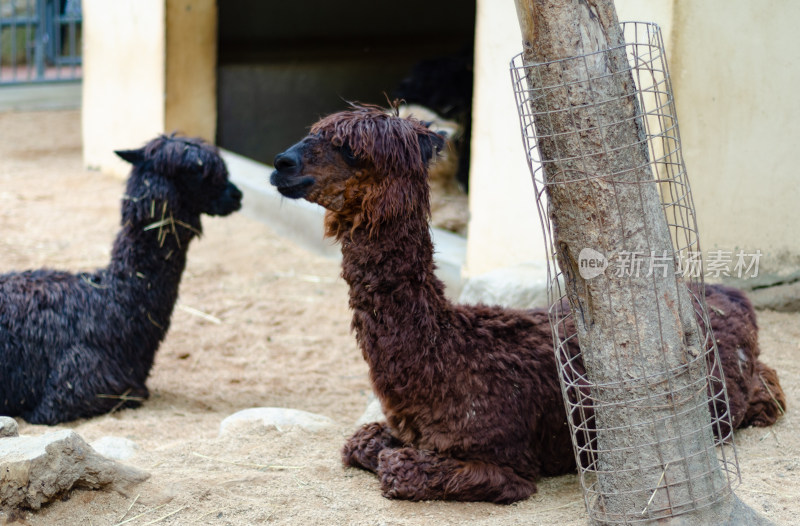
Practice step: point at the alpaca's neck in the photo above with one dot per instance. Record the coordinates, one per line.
(145, 270)
(398, 303)
(397, 263)
(157, 250)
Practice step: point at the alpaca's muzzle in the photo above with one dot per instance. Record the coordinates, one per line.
(287, 176)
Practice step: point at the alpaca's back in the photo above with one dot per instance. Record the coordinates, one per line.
(40, 314)
(42, 306)
(754, 393)
(514, 360)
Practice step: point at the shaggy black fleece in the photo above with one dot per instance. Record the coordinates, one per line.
(471, 394)
(79, 345)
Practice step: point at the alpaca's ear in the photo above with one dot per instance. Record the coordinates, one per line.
(132, 156)
(430, 144)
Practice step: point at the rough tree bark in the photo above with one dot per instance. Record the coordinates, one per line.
(638, 333)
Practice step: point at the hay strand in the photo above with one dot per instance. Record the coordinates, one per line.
(663, 474)
(151, 510)
(165, 516)
(764, 383)
(129, 507)
(262, 467)
(154, 322)
(200, 314)
(122, 399)
(87, 279)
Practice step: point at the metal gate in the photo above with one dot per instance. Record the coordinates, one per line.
(40, 41)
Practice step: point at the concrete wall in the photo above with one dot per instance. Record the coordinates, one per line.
(128, 96)
(190, 102)
(123, 79)
(734, 79)
(504, 225)
(735, 73)
(504, 228)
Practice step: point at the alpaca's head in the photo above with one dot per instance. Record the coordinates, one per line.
(182, 176)
(365, 166)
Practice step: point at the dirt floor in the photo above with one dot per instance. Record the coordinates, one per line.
(283, 340)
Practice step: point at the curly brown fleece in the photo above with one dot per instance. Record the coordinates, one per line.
(471, 393)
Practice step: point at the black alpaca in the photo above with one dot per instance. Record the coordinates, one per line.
(79, 345)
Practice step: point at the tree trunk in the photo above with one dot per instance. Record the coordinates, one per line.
(641, 345)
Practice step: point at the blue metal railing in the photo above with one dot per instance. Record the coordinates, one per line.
(40, 41)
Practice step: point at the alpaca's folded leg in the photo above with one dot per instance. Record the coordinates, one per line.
(66, 404)
(363, 448)
(42, 414)
(767, 402)
(412, 474)
(70, 392)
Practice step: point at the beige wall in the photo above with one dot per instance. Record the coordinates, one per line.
(504, 228)
(504, 225)
(149, 68)
(735, 73)
(734, 76)
(191, 69)
(123, 80)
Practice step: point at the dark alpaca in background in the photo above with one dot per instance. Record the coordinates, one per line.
(471, 394)
(754, 393)
(444, 85)
(78, 345)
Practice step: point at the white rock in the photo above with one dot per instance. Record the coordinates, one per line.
(35, 470)
(8, 427)
(117, 448)
(520, 287)
(373, 413)
(278, 417)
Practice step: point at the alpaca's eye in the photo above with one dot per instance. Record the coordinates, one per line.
(347, 155)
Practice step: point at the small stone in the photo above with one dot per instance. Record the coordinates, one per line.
(8, 427)
(520, 287)
(259, 418)
(783, 298)
(373, 413)
(117, 448)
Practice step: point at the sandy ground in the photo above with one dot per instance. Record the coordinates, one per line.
(284, 341)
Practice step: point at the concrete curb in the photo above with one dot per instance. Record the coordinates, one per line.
(64, 95)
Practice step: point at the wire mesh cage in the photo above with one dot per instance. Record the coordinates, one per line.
(667, 473)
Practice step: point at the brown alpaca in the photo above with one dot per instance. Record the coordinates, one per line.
(471, 393)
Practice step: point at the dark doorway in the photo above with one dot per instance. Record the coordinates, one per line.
(282, 65)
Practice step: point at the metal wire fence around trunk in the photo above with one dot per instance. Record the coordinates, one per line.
(651, 390)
